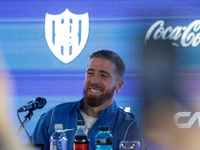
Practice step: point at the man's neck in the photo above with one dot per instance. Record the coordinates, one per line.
(92, 112)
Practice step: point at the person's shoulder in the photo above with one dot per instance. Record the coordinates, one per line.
(125, 121)
(126, 115)
(126, 118)
(61, 108)
(67, 106)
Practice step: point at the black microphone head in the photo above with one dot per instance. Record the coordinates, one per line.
(41, 102)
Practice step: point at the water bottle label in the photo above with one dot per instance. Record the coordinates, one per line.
(81, 146)
(52, 147)
(103, 147)
(104, 141)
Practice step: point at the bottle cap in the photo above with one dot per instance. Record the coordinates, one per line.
(104, 128)
(58, 126)
(80, 122)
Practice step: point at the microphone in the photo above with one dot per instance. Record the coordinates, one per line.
(38, 103)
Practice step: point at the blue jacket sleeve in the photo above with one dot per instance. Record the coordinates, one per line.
(133, 133)
(41, 131)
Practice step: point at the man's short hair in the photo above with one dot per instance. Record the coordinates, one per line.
(113, 57)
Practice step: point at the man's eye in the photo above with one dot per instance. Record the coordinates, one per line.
(89, 73)
(104, 76)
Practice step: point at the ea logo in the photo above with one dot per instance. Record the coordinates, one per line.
(66, 34)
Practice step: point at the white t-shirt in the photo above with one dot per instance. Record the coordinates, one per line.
(89, 121)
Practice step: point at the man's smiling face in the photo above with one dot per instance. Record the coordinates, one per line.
(100, 82)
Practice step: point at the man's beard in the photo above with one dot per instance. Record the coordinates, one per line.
(94, 100)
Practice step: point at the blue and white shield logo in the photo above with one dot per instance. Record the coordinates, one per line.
(66, 34)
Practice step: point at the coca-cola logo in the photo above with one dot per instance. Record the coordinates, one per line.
(180, 35)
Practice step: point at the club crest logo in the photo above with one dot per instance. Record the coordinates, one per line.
(66, 34)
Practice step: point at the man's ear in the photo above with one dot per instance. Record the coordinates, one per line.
(119, 85)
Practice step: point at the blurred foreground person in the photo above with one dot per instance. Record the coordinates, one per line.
(7, 136)
(161, 101)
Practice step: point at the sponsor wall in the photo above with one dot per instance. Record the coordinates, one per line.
(46, 47)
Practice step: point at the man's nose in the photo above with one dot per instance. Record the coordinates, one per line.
(95, 79)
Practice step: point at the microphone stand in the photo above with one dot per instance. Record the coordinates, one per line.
(27, 118)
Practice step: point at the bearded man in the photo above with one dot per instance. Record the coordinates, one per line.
(104, 77)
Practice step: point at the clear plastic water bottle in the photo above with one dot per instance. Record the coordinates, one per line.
(58, 140)
(104, 139)
(81, 141)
